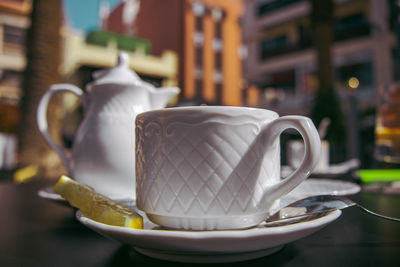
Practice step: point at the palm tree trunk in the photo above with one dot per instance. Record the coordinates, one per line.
(322, 24)
(43, 60)
(327, 103)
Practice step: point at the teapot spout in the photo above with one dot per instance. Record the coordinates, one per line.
(160, 97)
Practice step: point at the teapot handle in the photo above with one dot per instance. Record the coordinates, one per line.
(312, 144)
(41, 117)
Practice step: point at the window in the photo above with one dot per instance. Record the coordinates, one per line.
(199, 88)
(218, 91)
(199, 57)
(11, 78)
(284, 81)
(218, 61)
(351, 26)
(269, 6)
(14, 35)
(199, 24)
(271, 46)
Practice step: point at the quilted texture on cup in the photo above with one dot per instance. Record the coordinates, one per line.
(203, 166)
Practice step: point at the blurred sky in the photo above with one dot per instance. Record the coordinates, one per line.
(83, 15)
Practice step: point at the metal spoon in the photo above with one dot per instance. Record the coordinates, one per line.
(313, 207)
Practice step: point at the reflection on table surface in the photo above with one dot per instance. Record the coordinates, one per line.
(39, 232)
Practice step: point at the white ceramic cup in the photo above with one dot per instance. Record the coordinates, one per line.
(208, 168)
(295, 153)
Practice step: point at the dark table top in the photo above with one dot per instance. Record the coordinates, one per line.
(39, 232)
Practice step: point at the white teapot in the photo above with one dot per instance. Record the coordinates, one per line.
(103, 151)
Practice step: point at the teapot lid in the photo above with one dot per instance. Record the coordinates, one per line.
(120, 74)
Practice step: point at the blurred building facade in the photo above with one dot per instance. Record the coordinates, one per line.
(282, 70)
(82, 55)
(96, 50)
(281, 61)
(14, 22)
(206, 34)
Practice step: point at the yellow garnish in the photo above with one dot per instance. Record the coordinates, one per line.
(96, 206)
(25, 174)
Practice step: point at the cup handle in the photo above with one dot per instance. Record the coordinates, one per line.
(41, 117)
(312, 144)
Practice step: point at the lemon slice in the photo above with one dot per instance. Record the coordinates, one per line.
(97, 206)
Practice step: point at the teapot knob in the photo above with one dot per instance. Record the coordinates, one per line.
(123, 59)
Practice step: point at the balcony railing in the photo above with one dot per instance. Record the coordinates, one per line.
(353, 32)
(304, 43)
(268, 7)
(305, 40)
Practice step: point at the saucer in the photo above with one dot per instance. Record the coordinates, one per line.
(208, 246)
(333, 170)
(47, 193)
(309, 187)
(318, 186)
